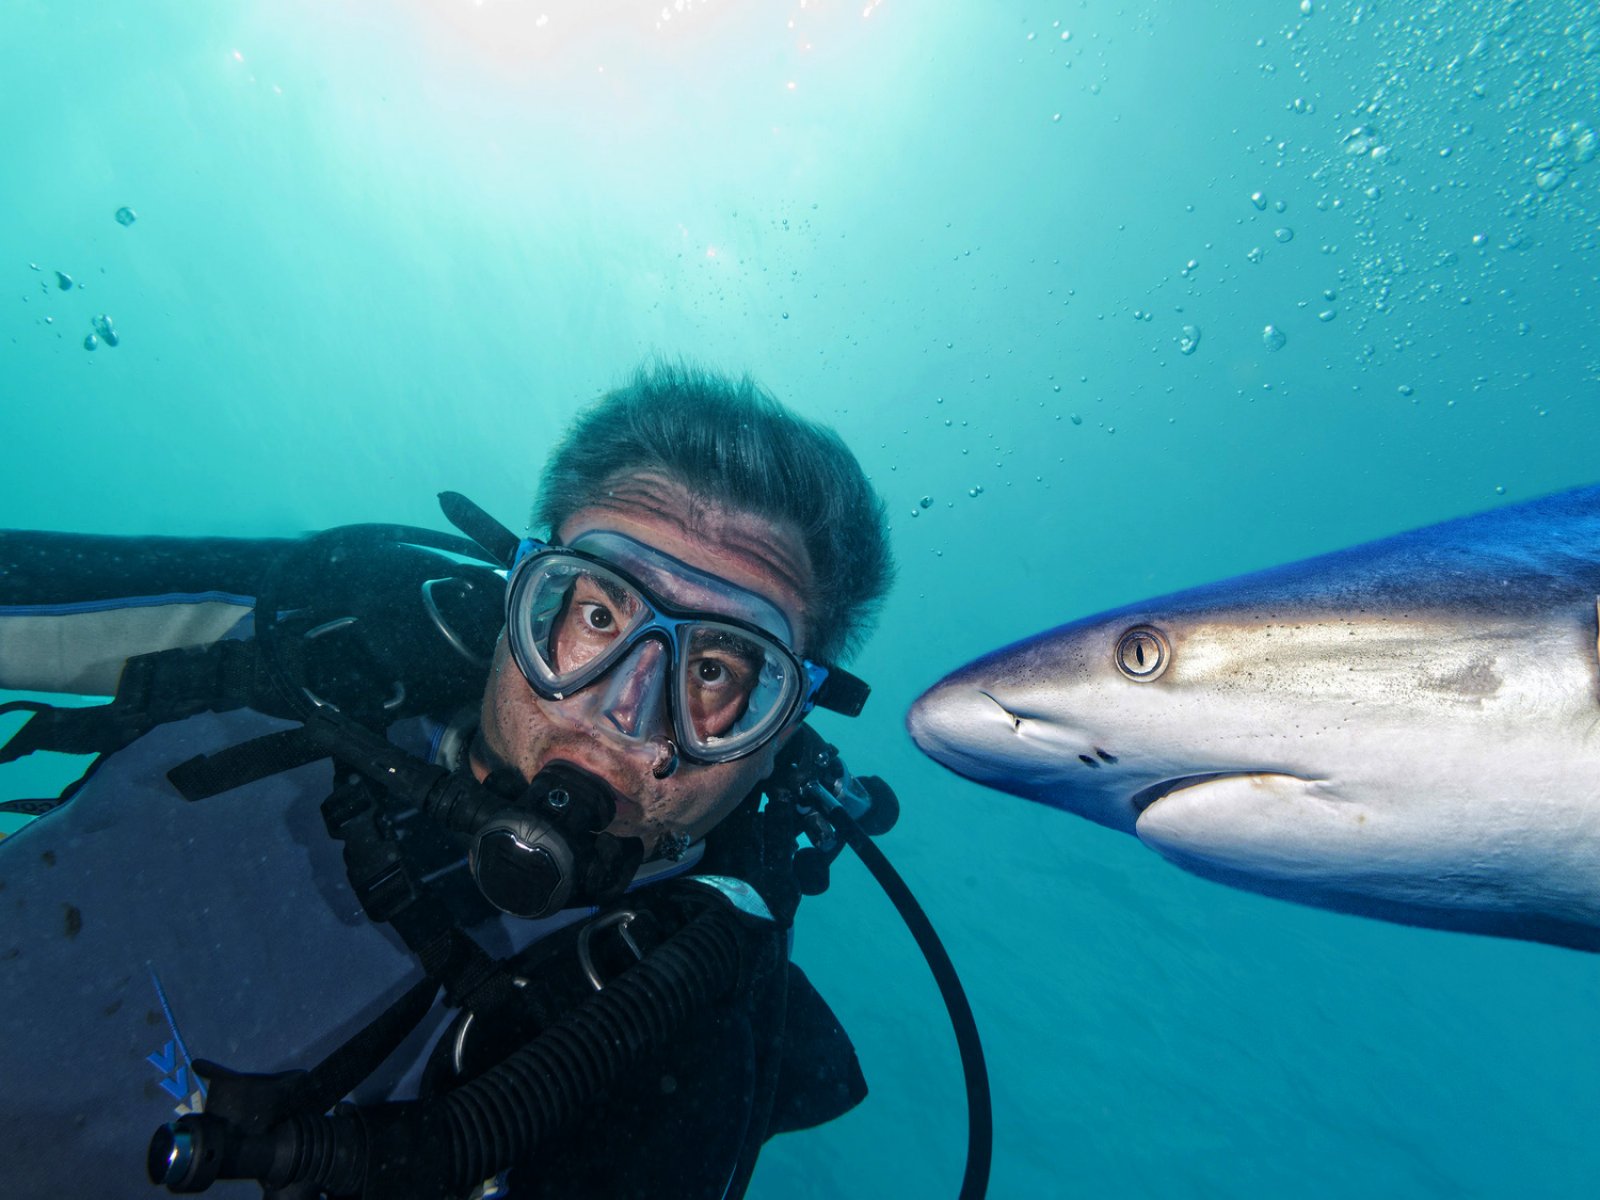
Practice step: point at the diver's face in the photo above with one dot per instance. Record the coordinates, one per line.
(528, 733)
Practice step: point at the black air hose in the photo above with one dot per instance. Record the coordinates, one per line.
(450, 1145)
(497, 1118)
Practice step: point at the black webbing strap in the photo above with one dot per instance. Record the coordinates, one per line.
(207, 775)
(154, 689)
(336, 1076)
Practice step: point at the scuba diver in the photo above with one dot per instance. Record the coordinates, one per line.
(416, 865)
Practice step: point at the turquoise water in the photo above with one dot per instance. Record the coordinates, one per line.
(383, 249)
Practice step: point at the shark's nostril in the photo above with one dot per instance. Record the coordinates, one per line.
(1016, 721)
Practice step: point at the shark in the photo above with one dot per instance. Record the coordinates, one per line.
(1408, 729)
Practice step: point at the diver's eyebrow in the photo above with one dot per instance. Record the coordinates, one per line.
(614, 591)
(735, 644)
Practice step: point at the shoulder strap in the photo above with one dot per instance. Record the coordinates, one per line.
(167, 685)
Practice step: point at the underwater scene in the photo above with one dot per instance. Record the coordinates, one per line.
(1111, 299)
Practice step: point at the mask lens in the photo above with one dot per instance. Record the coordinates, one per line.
(571, 620)
(734, 688)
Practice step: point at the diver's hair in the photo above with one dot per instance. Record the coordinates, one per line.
(731, 442)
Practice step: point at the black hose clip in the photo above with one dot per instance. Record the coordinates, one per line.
(814, 779)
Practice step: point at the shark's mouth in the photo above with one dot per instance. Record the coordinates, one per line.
(1144, 798)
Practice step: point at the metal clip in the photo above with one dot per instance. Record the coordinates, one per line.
(397, 697)
(621, 920)
(458, 1054)
(455, 640)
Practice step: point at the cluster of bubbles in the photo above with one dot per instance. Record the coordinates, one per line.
(102, 329)
(927, 501)
(1569, 146)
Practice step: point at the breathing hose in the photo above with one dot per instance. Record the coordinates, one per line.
(450, 1145)
(980, 1111)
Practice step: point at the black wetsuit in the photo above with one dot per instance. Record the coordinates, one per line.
(139, 931)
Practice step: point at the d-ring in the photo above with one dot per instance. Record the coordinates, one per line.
(620, 919)
(458, 1052)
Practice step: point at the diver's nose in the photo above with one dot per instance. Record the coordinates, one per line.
(635, 697)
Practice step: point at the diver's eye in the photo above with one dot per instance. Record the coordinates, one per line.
(597, 617)
(708, 670)
(1142, 653)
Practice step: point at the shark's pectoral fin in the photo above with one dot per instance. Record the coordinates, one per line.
(1261, 826)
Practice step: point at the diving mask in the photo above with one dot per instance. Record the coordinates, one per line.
(732, 681)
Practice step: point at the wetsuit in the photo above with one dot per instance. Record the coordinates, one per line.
(139, 931)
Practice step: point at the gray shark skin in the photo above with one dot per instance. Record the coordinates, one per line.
(1408, 730)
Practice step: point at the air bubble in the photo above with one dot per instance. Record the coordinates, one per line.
(126, 215)
(1273, 338)
(1284, 235)
(1189, 339)
(1549, 176)
(1585, 144)
(1259, 200)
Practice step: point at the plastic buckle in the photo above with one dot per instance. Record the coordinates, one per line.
(386, 891)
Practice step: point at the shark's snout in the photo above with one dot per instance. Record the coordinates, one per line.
(970, 724)
(957, 724)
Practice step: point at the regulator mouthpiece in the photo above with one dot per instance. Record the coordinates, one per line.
(530, 858)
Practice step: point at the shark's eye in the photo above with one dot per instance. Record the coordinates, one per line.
(1143, 653)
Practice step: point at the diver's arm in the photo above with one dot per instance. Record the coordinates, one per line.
(74, 607)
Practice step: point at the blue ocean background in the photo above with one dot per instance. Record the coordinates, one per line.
(1025, 257)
